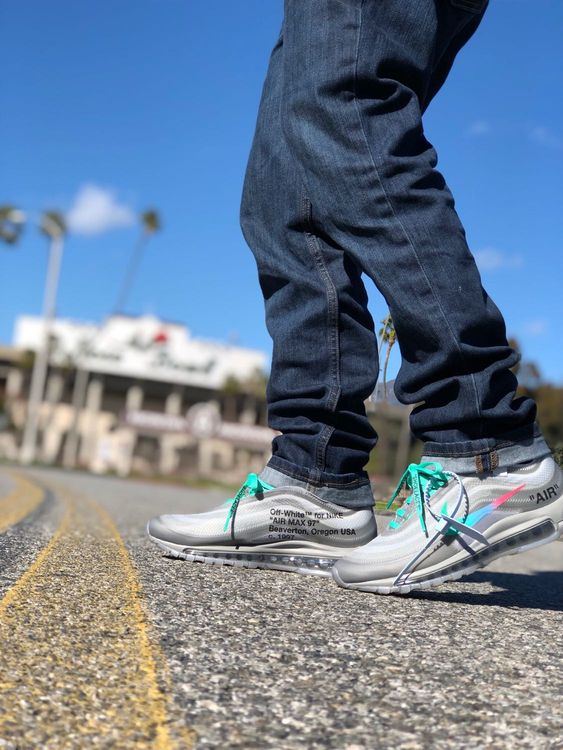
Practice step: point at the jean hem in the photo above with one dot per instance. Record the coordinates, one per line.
(319, 478)
(347, 490)
(487, 455)
(466, 448)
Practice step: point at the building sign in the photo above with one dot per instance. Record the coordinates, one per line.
(201, 421)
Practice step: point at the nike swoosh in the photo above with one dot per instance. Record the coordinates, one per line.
(477, 515)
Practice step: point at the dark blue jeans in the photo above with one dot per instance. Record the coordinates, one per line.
(342, 182)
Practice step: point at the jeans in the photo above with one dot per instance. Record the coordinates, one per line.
(342, 182)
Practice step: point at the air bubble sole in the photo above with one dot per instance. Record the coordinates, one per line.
(271, 560)
(534, 536)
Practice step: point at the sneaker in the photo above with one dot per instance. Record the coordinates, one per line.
(450, 525)
(284, 528)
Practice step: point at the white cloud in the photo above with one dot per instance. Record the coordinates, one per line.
(491, 259)
(479, 127)
(96, 210)
(535, 327)
(546, 137)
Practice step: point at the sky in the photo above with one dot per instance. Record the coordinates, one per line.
(110, 108)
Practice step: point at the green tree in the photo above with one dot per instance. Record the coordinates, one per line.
(12, 221)
(548, 397)
(251, 390)
(52, 225)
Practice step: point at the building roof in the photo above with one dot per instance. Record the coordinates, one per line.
(143, 347)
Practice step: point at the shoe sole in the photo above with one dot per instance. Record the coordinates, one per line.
(277, 559)
(534, 536)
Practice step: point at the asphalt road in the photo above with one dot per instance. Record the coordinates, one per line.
(106, 643)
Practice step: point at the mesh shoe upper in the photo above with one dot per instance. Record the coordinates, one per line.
(283, 514)
(491, 504)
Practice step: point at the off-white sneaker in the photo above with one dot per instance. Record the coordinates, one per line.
(285, 528)
(453, 524)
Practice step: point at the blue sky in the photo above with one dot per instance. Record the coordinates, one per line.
(111, 107)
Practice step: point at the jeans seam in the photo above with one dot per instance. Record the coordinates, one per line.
(394, 213)
(322, 444)
(333, 332)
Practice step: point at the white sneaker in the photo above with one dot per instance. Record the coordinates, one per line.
(285, 528)
(452, 524)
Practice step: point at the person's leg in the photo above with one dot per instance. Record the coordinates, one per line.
(348, 183)
(312, 504)
(357, 76)
(488, 485)
(324, 362)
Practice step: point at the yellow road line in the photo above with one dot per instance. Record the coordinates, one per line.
(146, 648)
(78, 663)
(33, 569)
(23, 500)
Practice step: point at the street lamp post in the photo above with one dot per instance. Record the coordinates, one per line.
(53, 226)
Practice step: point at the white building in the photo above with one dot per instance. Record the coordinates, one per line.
(141, 347)
(142, 395)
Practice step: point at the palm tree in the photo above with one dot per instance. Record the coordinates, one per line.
(53, 226)
(387, 335)
(150, 224)
(11, 224)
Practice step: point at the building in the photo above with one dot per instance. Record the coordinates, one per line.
(139, 395)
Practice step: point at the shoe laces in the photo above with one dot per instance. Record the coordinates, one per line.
(423, 480)
(251, 486)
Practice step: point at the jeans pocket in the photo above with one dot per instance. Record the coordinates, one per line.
(473, 6)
